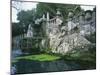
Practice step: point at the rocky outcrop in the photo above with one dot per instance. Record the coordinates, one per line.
(69, 42)
(72, 35)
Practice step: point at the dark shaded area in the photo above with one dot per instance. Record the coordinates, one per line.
(18, 29)
(86, 58)
(29, 66)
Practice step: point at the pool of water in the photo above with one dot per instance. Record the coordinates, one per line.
(29, 66)
(25, 66)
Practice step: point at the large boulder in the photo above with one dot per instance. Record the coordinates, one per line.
(68, 43)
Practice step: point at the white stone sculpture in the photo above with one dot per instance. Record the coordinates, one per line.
(30, 31)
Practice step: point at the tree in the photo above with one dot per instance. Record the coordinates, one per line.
(16, 4)
(43, 8)
(16, 29)
(26, 17)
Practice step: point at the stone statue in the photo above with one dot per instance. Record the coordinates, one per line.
(88, 15)
(48, 17)
(70, 15)
(82, 18)
(58, 18)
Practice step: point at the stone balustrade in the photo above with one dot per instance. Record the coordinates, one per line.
(52, 21)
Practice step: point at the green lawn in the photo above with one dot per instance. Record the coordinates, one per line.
(38, 57)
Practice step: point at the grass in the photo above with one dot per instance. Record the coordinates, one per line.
(39, 57)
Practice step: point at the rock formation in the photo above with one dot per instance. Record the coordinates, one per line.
(64, 38)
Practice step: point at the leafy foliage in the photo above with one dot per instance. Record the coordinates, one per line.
(86, 58)
(16, 29)
(26, 17)
(43, 8)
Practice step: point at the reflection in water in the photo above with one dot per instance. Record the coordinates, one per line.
(30, 66)
(16, 52)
